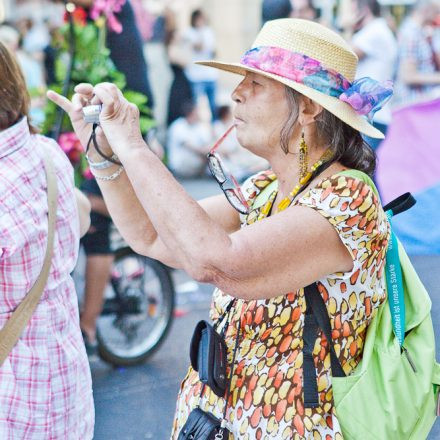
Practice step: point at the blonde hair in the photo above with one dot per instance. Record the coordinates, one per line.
(14, 97)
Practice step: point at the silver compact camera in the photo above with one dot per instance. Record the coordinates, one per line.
(91, 113)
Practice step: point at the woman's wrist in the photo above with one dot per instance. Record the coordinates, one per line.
(131, 147)
(103, 146)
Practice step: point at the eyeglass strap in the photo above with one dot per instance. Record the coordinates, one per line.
(219, 142)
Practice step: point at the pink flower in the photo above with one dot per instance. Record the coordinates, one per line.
(114, 24)
(107, 9)
(71, 145)
(87, 174)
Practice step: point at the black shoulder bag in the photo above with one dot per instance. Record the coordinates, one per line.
(208, 354)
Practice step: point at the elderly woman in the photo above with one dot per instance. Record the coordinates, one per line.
(305, 221)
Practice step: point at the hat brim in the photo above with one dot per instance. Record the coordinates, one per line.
(339, 108)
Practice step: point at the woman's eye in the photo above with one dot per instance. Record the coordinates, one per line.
(255, 83)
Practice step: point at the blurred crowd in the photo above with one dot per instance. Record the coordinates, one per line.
(185, 97)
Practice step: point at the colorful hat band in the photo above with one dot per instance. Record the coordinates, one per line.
(365, 95)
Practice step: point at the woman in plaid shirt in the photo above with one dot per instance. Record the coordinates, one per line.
(45, 383)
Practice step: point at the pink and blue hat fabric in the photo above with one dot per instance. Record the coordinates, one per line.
(365, 95)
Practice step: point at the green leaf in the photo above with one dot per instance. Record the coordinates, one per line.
(92, 65)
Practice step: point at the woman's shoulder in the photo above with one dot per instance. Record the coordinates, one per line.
(256, 183)
(63, 167)
(350, 202)
(346, 184)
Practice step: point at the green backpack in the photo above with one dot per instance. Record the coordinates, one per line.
(393, 393)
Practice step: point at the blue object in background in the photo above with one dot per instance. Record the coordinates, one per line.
(419, 228)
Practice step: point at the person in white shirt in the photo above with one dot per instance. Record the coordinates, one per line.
(32, 70)
(376, 47)
(188, 144)
(418, 71)
(201, 42)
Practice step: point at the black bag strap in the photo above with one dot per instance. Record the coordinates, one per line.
(231, 372)
(223, 316)
(310, 383)
(401, 204)
(316, 318)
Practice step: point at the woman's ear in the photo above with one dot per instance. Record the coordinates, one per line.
(308, 111)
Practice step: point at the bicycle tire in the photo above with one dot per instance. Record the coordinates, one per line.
(162, 272)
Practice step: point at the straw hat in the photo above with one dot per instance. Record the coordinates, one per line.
(321, 44)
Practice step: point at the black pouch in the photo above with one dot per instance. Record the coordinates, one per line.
(202, 426)
(208, 357)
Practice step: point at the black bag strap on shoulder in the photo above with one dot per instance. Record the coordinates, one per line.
(401, 204)
(316, 318)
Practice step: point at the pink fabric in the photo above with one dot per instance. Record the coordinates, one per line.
(108, 9)
(365, 95)
(144, 20)
(408, 158)
(45, 383)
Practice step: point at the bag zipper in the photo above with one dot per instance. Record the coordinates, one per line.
(411, 362)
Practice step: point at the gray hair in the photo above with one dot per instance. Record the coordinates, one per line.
(347, 144)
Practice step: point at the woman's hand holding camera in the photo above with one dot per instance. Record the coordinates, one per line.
(119, 119)
(82, 98)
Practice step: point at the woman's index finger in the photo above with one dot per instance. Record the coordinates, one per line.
(60, 100)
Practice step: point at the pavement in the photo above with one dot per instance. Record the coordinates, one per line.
(138, 403)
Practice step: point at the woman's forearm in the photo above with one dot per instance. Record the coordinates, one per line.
(125, 210)
(182, 224)
(127, 213)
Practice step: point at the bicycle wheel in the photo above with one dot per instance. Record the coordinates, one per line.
(136, 319)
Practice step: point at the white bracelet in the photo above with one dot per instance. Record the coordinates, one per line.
(113, 176)
(101, 165)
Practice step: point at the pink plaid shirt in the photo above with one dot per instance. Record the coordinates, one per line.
(45, 383)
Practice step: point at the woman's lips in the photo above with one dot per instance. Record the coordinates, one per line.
(238, 121)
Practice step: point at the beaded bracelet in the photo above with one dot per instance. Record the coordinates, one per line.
(101, 165)
(113, 176)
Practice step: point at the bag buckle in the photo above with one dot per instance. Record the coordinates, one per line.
(219, 435)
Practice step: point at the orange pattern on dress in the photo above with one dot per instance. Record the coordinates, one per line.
(266, 399)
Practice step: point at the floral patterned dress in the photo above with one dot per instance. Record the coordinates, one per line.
(266, 400)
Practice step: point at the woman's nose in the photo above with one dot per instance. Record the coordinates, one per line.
(237, 95)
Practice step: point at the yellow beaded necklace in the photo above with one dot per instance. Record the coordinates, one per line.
(305, 179)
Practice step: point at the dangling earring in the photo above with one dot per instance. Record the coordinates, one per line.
(303, 157)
